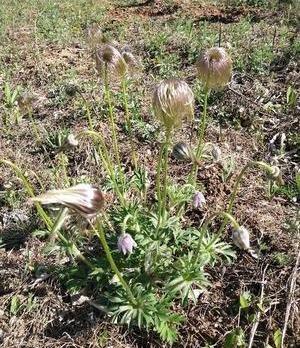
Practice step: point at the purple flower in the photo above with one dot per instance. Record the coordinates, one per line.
(198, 200)
(126, 243)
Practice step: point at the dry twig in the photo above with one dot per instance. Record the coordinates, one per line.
(293, 284)
(255, 325)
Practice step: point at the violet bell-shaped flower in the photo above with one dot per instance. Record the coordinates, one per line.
(126, 243)
(199, 200)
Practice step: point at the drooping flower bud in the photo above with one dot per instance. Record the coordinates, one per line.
(126, 243)
(182, 152)
(273, 171)
(214, 68)
(83, 198)
(109, 57)
(173, 101)
(240, 237)
(199, 200)
(72, 141)
(216, 153)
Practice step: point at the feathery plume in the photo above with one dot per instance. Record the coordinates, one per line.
(109, 57)
(214, 68)
(83, 198)
(172, 101)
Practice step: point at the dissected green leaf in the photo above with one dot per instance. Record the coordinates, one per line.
(277, 337)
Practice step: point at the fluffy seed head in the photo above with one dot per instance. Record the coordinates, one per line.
(240, 238)
(126, 243)
(182, 152)
(83, 198)
(214, 68)
(173, 101)
(131, 61)
(199, 200)
(109, 57)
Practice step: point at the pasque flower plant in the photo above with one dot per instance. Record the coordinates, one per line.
(169, 256)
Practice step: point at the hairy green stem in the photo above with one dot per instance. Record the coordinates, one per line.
(56, 232)
(165, 173)
(128, 121)
(88, 111)
(201, 132)
(100, 233)
(111, 118)
(58, 225)
(233, 195)
(35, 129)
(105, 158)
(205, 226)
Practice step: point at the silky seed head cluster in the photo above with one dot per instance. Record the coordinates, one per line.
(173, 101)
(214, 68)
(131, 61)
(85, 199)
(108, 57)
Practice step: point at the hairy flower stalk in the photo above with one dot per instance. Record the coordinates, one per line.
(100, 233)
(109, 62)
(214, 71)
(106, 160)
(172, 102)
(25, 102)
(28, 187)
(131, 65)
(266, 167)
